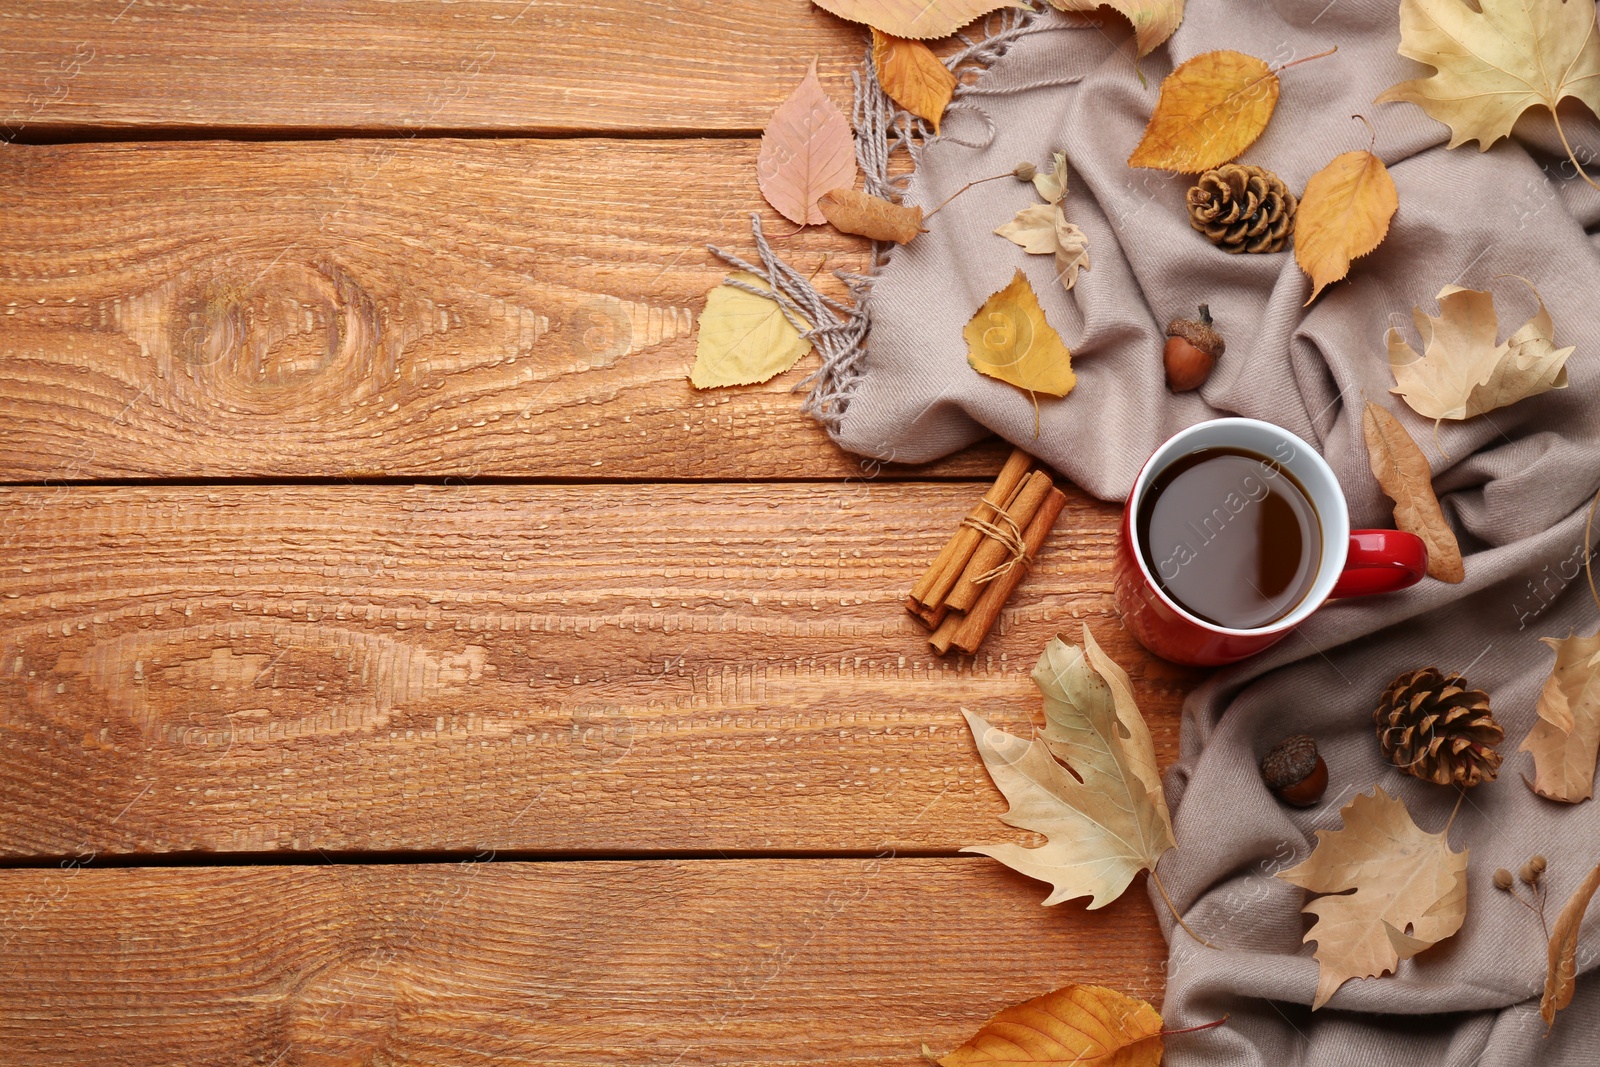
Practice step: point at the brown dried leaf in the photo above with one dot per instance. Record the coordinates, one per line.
(916, 19)
(1076, 1026)
(1561, 977)
(1153, 20)
(806, 150)
(1211, 108)
(852, 211)
(1410, 891)
(912, 76)
(1403, 474)
(1565, 742)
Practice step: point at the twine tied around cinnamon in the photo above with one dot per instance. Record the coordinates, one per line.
(1016, 549)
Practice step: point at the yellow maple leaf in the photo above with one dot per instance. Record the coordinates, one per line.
(1077, 1025)
(1462, 372)
(1210, 109)
(916, 19)
(1409, 891)
(1344, 214)
(1009, 339)
(1153, 20)
(743, 338)
(1565, 742)
(912, 76)
(1492, 65)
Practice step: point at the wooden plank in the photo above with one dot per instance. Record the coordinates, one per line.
(508, 66)
(546, 668)
(371, 308)
(821, 962)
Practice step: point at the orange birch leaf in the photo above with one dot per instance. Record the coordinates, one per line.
(1344, 214)
(1211, 108)
(806, 150)
(852, 211)
(1077, 1025)
(1153, 20)
(912, 76)
(916, 19)
(1009, 339)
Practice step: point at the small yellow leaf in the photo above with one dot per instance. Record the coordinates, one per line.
(1565, 742)
(744, 338)
(1153, 20)
(1344, 214)
(1077, 1025)
(917, 19)
(912, 76)
(1462, 372)
(1561, 977)
(1211, 108)
(1009, 339)
(852, 211)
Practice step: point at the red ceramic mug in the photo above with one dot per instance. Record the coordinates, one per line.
(1351, 563)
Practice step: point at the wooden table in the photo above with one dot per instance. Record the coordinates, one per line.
(399, 662)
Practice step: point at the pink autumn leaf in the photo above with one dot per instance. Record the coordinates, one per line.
(806, 151)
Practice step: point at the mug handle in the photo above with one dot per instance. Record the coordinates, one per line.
(1381, 561)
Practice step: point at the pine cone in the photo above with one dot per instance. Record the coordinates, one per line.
(1433, 727)
(1243, 208)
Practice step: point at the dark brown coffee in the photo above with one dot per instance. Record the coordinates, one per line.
(1231, 536)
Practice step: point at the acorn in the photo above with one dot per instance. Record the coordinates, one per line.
(1193, 346)
(1294, 771)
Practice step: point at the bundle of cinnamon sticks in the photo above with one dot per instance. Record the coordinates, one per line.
(960, 596)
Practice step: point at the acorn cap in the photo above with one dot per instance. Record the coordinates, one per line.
(1289, 762)
(1199, 332)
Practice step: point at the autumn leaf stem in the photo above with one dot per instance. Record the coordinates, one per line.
(1304, 59)
(964, 188)
(1212, 1025)
(1570, 153)
(1156, 878)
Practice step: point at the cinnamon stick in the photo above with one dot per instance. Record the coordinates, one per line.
(929, 617)
(951, 562)
(946, 633)
(992, 553)
(981, 619)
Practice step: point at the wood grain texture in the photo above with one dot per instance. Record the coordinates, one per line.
(824, 962)
(551, 66)
(558, 668)
(369, 308)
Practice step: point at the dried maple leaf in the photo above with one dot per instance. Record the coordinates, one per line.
(1402, 472)
(1105, 819)
(1492, 65)
(912, 76)
(1344, 214)
(916, 19)
(1078, 1025)
(1410, 891)
(1566, 740)
(1210, 109)
(806, 150)
(852, 211)
(1462, 372)
(1153, 20)
(1009, 339)
(1043, 229)
(743, 338)
(1561, 976)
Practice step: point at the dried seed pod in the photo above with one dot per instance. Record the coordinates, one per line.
(1294, 771)
(1502, 878)
(1025, 171)
(1538, 865)
(1528, 875)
